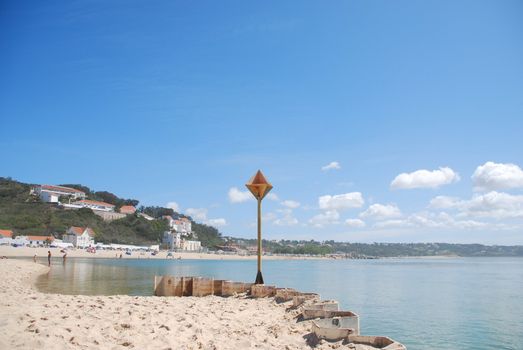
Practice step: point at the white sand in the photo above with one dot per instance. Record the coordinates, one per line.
(33, 320)
(42, 253)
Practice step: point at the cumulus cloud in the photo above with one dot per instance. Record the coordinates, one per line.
(425, 179)
(217, 222)
(497, 176)
(237, 196)
(286, 221)
(341, 201)
(271, 196)
(494, 205)
(173, 205)
(327, 218)
(331, 166)
(444, 202)
(290, 204)
(357, 223)
(199, 214)
(440, 220)
(381, 211)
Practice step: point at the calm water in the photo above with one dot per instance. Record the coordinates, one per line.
(463, 303)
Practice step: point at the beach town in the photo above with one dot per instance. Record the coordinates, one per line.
(297, 319)
(229, 175)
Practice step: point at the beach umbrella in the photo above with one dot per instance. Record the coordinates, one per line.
(259, 187)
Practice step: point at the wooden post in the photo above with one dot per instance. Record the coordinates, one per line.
(259, 277)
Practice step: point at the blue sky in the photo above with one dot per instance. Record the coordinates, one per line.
(180, 101)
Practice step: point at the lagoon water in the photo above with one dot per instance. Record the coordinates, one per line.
(455, 303)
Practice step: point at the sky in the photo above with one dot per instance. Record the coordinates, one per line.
(375, 121)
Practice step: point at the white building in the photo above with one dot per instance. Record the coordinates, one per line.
(6, 237)
(182, 225)
(146, 217)
(175, 241)
(33, 241)
(80, 237)
(51, 194)
(94, 205)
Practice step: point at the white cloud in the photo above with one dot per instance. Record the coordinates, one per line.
(496, 176)
(341, 201)
(425, 179)
(290, 204)
(494, 205)
(331, 166)
(327, 218)
(355, 223)
(444, 202)
(217, 222)
(237, 196)
(173, 205)
(271, 196)
(381, 211)
(286, 220)
(440, 220)
(199, 214)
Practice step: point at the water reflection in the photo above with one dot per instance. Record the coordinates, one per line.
(424, 303)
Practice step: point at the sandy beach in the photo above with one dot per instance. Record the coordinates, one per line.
(34, 320)
(29, 252)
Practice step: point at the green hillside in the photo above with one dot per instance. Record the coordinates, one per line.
(25, 214)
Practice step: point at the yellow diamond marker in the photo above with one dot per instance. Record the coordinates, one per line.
(259, 187)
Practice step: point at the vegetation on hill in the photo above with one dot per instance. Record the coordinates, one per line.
(27, 215)
(385, 249)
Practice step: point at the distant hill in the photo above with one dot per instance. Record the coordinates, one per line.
(366, 250)
(25, 214)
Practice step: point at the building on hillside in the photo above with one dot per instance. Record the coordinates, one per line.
(170, 221)
(109, 215)
(127, 209)
(94, 205)
(52, 194)
(175, 241)
(6, 237)
(6, 234)
(34, 241)
(191, 246)
(146, 217)
(80, 237)
(183, 226)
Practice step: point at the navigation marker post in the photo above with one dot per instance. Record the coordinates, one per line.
(259, 187)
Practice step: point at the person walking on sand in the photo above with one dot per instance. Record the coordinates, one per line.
(65, 256)
(34, 258)
(49, 257)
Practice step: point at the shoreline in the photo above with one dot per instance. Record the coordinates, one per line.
(29, 252)
(35, 320)
(32, 319)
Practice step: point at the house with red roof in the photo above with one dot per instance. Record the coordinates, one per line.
(37, 241)
(127, 209)
(6, 234)
(80, 237)
(6, 237)
(52, 193)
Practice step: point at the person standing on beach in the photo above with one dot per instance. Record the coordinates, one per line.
(34, 258)
(49, 257)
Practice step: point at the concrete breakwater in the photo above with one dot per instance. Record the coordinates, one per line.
(328, 322)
